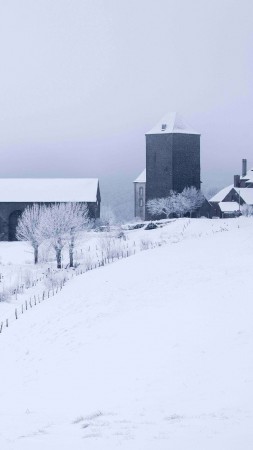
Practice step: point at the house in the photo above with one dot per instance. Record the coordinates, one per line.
(229, 201)
(18, 193)
(172, 163)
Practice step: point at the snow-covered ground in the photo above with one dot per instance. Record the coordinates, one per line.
(151, 352)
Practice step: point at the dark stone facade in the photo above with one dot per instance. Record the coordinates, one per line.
(10, 213)
(172, 162)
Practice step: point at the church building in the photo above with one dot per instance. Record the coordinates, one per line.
(18, 193)
(172, 163)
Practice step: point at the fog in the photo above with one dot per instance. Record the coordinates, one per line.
(83, 80)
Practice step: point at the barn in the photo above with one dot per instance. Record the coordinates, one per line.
(18, 193)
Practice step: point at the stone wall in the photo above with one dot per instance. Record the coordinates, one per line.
(172, 162)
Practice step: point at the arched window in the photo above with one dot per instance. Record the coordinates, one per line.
(141, 191)
(140, 202)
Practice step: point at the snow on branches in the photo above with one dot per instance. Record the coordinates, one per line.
(30, 228)
(58, 223)
(176, 203)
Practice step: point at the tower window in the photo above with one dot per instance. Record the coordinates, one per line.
(141, 191)
(140, 202)
(164, 126)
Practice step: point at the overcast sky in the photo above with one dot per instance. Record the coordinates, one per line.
(83, 80)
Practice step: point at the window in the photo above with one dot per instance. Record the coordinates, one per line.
(164, 126)
(141, 202)
(141, 191)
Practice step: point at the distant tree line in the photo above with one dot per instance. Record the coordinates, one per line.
(179, 204)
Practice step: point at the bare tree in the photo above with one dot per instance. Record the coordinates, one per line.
(247, 210)
(191, 199)
(176, 203)
(78, 218)
(107, 218)
(61, 224)
(162, 206)
(30, 228)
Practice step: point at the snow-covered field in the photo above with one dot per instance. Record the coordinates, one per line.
(152, 352)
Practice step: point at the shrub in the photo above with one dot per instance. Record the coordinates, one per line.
(151, 226)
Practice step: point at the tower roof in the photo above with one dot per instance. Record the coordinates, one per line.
(141, 178)
(172, 123)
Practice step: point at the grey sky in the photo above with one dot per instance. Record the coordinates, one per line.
(83, 80)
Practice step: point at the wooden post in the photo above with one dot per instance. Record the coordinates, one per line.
(16, 313)
(1, 327)
(7, 323)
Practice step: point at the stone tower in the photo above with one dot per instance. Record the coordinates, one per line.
(172, 157)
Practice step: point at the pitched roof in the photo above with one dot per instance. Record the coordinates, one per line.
(221, 194)
(48, 189)
(248, 177)
(245, 193)
(172, 123)
(141, 178)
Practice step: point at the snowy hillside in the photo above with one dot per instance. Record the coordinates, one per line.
(152, 352)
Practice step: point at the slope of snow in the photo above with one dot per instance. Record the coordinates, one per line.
(152, 352)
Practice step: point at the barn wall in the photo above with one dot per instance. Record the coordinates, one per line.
(7, 208)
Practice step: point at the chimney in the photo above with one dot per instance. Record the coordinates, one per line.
(244, 167)
(236, 180)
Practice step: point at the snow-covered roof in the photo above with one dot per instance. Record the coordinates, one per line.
(48, 189)
(172, 123)
(229, 206)
(245, 193)
(248, 176)
(219, 197)
(141, 178)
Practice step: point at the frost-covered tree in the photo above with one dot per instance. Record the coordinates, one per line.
(78, 216)
(191, 199)
(30, 228)
(176, 203)
(62, 222)
(247, 210)
(162, 206)
(107, 217)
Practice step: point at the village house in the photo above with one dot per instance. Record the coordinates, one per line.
(229, 201)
